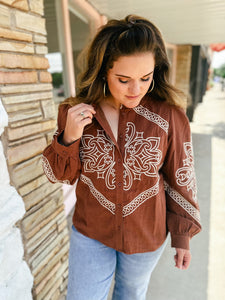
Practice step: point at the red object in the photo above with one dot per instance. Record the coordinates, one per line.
(217, 47)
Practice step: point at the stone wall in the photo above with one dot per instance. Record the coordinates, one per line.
(26, 93)
(183, 69)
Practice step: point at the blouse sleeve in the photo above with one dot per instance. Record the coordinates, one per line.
(61, 163)
(183, 218)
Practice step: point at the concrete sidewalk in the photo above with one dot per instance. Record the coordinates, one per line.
(204, 280)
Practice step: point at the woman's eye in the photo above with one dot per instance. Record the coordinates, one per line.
(146, 79)
(123, 81)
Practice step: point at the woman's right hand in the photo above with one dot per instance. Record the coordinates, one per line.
(78, 117)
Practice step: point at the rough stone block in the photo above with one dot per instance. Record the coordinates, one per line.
(53, 243)
(41, 285)
(15, 35)
(42, 234)
(41, 39)
(44, 249)
(11, 108)
(18, 77)
(40, 275)
(20, 4)
(19, 142)
(37, 6)
(46, 293)
(26, 122)
(30, 22)
(41, 49)
(26, 171)
(62, 225)
(4, 16)
(14, 61)
(48, 107)
(32, 219)
(33, 231)
(54, 197)
(16, 47)
(53, 296)
(45, 77)
(34, 184)
(47, 258)
(25, 88)
(24, 115)
(26, 98)
(37, 195)
(63, 286)
(53, 258)
(34, 242)
(29, 130)
(25, 151)
(58, 275)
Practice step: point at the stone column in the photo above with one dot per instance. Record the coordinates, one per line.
(26, 94)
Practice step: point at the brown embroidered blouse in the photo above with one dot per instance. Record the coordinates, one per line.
(132, 191)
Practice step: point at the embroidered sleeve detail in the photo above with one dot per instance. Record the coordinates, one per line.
(49, 172)
(101, 199)
(185, 176)
(140, 199)
(179, 199)
(153, 117)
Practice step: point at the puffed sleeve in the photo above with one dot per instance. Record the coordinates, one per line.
(61, 163)
(183, 218)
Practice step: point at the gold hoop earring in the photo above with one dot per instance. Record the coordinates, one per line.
(104, 89)
(153, 84)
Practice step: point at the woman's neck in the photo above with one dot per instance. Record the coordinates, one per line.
(109, 101)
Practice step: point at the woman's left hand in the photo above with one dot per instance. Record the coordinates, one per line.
(182, 258)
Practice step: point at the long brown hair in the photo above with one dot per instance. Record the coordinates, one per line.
(124, 37)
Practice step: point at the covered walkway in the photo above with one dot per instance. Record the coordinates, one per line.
(204, 280)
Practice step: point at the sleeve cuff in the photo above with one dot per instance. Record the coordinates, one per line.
(66, 151)
(180, 241)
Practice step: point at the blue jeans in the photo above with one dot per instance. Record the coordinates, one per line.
(92, 266)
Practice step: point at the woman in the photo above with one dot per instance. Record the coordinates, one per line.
(127, 140)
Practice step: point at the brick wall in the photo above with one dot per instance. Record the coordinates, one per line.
(26, 93)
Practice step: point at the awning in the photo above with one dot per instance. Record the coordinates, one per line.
(217, 47)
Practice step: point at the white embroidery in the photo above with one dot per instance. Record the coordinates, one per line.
(179, 199)
(101, 199)
(153, 117)
(127, 209)
(140, 199)
(97, 155)
(186, 174)
(142, 156)
(49, 172)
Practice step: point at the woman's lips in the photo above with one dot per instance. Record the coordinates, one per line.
(132, 97)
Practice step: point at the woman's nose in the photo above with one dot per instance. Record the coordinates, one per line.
(134, 88)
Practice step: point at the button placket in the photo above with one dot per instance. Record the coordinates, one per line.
(119, 198)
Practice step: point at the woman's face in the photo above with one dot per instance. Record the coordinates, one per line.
(130, 77)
